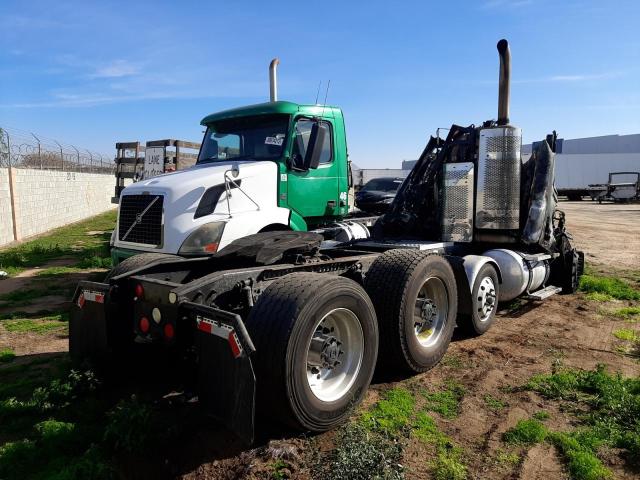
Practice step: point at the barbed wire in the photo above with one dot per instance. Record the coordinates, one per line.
(22, 149)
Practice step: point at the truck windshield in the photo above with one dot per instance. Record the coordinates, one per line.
(260, 137)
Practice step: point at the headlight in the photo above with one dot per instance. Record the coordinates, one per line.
(204, 240)
(388, 200)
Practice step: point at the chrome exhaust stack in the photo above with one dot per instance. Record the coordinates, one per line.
(504, 85)
(273, 80)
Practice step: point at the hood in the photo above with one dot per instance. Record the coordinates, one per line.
(198, 177)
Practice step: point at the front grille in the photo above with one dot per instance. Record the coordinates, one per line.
(140, 219)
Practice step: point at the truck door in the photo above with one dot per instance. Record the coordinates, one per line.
(314, 192)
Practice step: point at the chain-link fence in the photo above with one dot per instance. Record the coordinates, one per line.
(20, 149)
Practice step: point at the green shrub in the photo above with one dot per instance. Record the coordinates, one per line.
(526, 432)
(129, 426)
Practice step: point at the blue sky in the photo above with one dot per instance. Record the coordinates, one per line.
(93, 73)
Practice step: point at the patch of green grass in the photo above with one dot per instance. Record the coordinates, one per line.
(22, 297)
(58, 271)
(96, 261)
(445, 402)
(391, 414)
(493, 403)
(7, 355)
(541, 415)
(507, 458)
(598, 297)
(448, 463)
(626, 334)
(453, 361)
(526, 432)
(582, 462)
(40, 327)
(611, 286)
(71, 240)
(609, 406)
(628, 313)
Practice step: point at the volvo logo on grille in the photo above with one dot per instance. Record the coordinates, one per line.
(138, 217)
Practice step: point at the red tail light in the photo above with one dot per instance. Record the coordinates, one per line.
(138, 291)
(169, 331)
(144, 325)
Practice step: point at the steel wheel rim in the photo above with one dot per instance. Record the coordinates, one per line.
(430, 311)
(486, 299)
(335, 352)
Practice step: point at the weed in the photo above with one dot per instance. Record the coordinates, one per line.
(391, 414)
(280, 470)
(598, 297)
(129, 427)
(541, 415)
(494, 403)
(362, 454)
(628, 313)
(7, 355)
(526, 432)
(96, 261)
(448, 463)
(626, 334)
(581, 459)
(611, 286)
(446, 402)
(452, 361)
(613, 406)
(507, 458)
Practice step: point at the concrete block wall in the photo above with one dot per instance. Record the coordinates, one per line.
(46, 199)
(6, 211)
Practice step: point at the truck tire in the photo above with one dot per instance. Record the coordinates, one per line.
(132, 263)
(484, 302)
(302, 324)
(401, 284)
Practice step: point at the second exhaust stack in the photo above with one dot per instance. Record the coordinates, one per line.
(273, 80)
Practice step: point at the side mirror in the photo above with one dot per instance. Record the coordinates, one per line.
(314, 147)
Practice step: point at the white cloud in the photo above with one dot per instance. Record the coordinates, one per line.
(572, 78)
(116, 69)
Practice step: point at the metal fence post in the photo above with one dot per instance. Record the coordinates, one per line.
(39, 149)
(61, 156)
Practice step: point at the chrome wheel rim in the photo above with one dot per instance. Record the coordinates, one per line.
(486, 299)
(431, 311)
(334, 354)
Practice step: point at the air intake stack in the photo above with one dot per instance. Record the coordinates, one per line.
(498, 188)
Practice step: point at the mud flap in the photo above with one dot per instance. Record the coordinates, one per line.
(226, 380)
(88, 337)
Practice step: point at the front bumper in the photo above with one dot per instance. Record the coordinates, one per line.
(226, 379)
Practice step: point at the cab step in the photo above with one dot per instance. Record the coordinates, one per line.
(544, 293)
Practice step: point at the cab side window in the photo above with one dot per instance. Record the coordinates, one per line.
(301, 139)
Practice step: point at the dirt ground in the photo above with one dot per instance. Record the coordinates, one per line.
(564, 330)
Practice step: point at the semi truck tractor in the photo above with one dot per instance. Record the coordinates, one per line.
(274, 166)
(292, 325)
